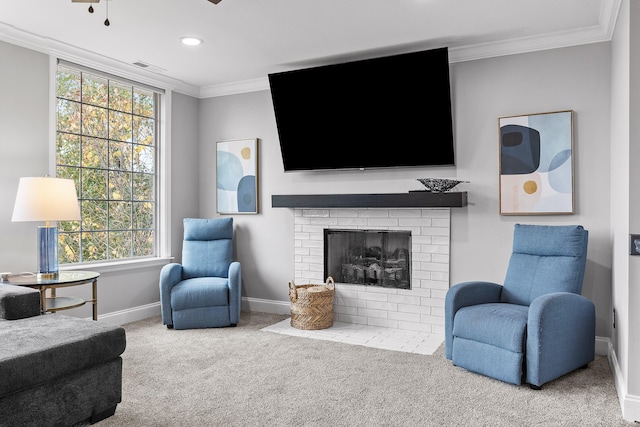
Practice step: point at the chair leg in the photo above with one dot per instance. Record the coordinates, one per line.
(534, 387)
(169, 326)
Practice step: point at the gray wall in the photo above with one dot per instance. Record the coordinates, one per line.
(634, 204)
(625, 107)
(184, 166)
(563, 79)
(125, 293)
(576, 78)
(24, 150)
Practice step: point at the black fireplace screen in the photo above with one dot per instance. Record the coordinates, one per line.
(368, 257)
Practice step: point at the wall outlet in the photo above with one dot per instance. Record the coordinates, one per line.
(634, 244)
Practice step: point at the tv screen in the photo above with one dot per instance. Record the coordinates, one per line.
(393, 111)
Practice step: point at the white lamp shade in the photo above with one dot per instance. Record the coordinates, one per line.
(46, 199)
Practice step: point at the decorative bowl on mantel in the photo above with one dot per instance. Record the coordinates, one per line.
(439, 185)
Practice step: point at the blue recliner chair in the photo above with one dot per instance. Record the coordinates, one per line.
(536, 327)
(204, 291)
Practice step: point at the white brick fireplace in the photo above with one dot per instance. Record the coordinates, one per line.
(420, 308)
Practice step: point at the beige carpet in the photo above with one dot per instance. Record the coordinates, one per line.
(247, 377)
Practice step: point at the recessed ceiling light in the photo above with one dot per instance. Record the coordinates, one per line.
(191, 41)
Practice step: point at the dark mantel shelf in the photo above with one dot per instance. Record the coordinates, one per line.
(413, 199)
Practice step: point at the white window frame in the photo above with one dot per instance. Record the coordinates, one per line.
(163, 195)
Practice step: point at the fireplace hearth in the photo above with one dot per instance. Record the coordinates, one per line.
(368, 257)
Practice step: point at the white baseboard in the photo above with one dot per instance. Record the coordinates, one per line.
(602, 346)
(151, 310)
(131, 314)
(629, 404)
(266, 305)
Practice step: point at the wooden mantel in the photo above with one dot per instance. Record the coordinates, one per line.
(412, 199)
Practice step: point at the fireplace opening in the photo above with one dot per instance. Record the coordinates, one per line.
(368, 257)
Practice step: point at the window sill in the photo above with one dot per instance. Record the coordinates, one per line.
(114, 266)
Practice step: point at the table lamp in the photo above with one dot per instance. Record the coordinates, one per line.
(46, 199)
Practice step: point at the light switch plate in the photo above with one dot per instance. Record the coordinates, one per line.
(634, 244)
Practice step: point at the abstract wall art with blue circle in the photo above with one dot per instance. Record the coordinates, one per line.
(237, 176)
(536, 164)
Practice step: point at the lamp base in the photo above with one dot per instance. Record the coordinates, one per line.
(47, 252)
(47, 276)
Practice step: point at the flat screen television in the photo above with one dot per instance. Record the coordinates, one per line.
(392, 111)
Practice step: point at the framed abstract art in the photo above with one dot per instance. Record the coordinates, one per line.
(237, 176)
(536, 164)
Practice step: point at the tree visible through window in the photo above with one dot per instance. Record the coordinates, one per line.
(106, 142)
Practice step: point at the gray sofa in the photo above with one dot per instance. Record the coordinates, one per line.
(55, 370)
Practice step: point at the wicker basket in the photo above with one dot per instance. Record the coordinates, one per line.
(312, 305)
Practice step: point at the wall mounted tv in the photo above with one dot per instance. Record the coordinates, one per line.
(393, 111)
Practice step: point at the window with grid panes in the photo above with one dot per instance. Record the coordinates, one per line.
(106, 141)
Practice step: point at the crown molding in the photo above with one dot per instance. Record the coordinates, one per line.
(603, 32)
(595, 34)
(528, 44)
(609, 16)
(13, 35)
(235, 88)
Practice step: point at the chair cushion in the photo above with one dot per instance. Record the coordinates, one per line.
(207, 247)
(549, 240)
(497, 324)
(545, 259)
(200, 292)
(208, 229)
(203, 259)
(531, 276)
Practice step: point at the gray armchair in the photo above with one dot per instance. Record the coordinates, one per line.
(205, 290)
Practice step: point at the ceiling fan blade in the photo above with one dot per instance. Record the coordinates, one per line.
(85, 1)
(215, 1)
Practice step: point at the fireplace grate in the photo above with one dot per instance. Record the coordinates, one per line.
(368, 257)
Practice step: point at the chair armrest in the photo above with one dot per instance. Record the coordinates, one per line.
(561, 335)
(235, 292)
(463, 295)
(170, 275)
